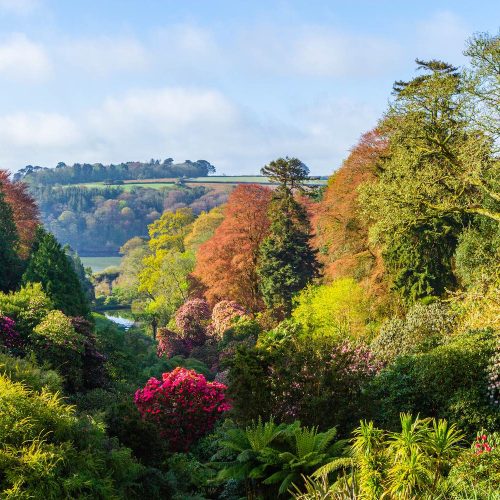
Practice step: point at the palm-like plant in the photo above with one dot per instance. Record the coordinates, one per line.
(310, 449)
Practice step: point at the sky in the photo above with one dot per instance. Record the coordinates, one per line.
(237, 83)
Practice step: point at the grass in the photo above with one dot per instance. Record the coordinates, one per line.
(98, 264)
(128, 186)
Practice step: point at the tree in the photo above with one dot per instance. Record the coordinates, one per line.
(227, 262)
(287, 262)
(9, 241)
(24, 210)
(164, 275)
(204, 228)
(50, 266)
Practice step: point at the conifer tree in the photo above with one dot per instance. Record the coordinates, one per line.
(9, 260)
(287, 261)
(50, 266)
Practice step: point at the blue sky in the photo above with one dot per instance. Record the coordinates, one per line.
(237, 83)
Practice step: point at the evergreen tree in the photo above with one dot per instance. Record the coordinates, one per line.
(50, 266)
(9, 260)
(287, 261)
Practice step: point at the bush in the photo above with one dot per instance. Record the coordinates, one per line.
(424, 327)
(318, 381)
(29, 374)
(9, 337)
(339, 310)
(56, 342)
(223, 315)
(27, 307)
(440, 383)
(192, 319)
(183, 405)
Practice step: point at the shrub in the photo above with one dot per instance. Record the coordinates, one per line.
(29, 374)
(9, 337)
(56, 342)
(340, 309)
(318, 381)
(191, 320)
(223, 315)
(183, 405)
(27, 307)
(424, 328)
(449, 381)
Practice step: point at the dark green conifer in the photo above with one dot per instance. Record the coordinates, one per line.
(50, 266)
(9, 240)
(287, 261)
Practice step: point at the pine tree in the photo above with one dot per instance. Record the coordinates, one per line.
(50, 266)
(287, 261)
(9, 240)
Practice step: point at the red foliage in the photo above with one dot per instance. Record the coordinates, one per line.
(341, 235)
(24, 210)
(226, 263)
(183, 405)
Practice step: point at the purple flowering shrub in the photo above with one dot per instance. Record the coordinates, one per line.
(9, 336)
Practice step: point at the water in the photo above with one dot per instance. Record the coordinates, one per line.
(98, 264)
(119, 320)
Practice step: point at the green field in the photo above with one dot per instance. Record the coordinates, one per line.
(98, 264)
(213, 179)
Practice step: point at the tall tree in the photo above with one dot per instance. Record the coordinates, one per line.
(50, 266)
(287, 261)
(163, 278)
(25, 211)
(9, 241)
(227, 262)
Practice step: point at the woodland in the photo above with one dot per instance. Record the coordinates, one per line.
(338, 342)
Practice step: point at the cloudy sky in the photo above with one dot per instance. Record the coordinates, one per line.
(237, 83)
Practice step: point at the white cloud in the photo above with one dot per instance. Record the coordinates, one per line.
(318, 51)
(46, 130)
(442, 36)
(19, 6)
(106, 55)
(23, 59)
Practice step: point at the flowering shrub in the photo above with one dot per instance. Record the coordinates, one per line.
(494, 377)
(223, 315)
(170, 344)
(482, 445)
(183, 405)
(9, 337)
(191, 319)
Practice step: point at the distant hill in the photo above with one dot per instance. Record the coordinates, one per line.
(82, 173)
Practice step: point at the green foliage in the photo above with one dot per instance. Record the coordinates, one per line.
(27, 307)
(340, 309)
(27, 372)
(270, 457)
(9, 240)
(439, 383)
(423, 328)
(287, 261)
(50, 266)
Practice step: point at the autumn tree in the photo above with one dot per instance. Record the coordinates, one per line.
(287, 262)
(341, 235)
(24, 209)
(227, 262)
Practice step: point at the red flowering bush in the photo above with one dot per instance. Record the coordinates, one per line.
(223, 315)
(9, 337)
(183, 405)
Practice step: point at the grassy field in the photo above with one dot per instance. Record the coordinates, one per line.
(210, 182)
(98, 264)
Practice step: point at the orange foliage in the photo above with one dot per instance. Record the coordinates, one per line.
(24, 209)
(226, 263)
(341, 235)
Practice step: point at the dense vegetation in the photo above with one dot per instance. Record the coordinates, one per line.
(98, 221)
(80, 173)
(289, 345)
